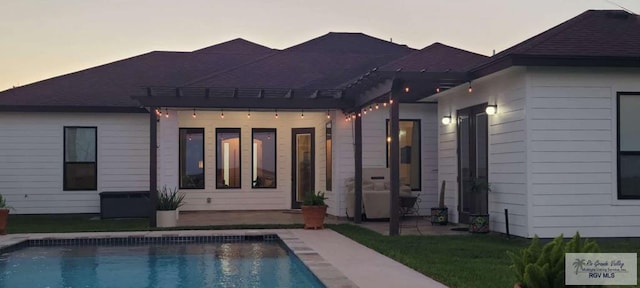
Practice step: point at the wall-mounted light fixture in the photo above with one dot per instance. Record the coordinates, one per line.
(491, 109)
(446, 120)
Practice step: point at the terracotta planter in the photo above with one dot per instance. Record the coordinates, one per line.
(439, 216)
(479, 223)
(313, 216)
(166, 218)
(4, 218)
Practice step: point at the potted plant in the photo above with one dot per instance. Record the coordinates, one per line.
(440, 214)
(479, 222)
(4, 215)
(169, 200)
(313, 210)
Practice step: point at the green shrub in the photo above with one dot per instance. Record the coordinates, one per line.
(169, 199)
(538, 266)
(315, 199)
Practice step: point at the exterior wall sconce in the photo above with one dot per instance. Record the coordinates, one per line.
(446, 120)
(491, 109)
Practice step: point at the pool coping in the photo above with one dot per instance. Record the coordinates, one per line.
(329, 275)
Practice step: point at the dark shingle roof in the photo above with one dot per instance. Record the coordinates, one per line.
(111, 85)
(321, 63)
(436, 57)
(593, 38)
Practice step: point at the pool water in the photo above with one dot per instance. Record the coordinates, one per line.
(239, 264)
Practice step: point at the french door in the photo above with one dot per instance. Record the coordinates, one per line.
(472, 161)
(302, 164)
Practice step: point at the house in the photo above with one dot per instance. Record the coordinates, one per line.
(561, 151)
(239, 126)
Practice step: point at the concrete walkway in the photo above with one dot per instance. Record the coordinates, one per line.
(365, 267)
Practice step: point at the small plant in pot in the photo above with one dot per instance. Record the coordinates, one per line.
(440, 214)
(169, 200)
(479, 222)
(314, 210)
(4, 215)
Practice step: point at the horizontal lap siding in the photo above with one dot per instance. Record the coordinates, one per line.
(343, 163)
(374, 146)
(572, 140)
(246, 197)
(507, 147)
(31, 159)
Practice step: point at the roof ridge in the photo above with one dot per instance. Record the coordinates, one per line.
(551, 32)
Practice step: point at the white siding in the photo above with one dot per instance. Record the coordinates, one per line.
(507, 146)
(374, 146)
(343, 160)
(31, 159)
(572, 151)
(244, 198)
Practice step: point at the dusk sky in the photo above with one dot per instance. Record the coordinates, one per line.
(46, 38)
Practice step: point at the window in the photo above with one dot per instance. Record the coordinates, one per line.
(263, 172)
(410, 162)
(191, 158)
(228, 158)
(628, 146)
(329, 155)
(80, 164)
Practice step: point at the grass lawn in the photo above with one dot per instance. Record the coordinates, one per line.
(460, 261)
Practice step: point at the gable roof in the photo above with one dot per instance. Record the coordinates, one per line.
(110, 86)
(593, 38)
(325, 62)
(236, 46)
(436, 57)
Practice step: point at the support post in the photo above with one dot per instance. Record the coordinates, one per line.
(357, 218)
(394, 161)
(153, 165)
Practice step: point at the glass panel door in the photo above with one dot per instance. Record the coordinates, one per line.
(303, 163)
(472, 161)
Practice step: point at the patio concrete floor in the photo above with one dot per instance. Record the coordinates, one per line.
(408, 226)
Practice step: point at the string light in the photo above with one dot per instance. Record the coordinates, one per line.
(384, 104)
(359, 114)
(194, 113)
(328, 115)
(470, 89)
(353, 116)
(390, 101)
(438, 90)
(249, 114)
(377, 106)
(406, 89)
(364, 111)
(166, 112)
(222, 113)
(276, 113)
(302, 114)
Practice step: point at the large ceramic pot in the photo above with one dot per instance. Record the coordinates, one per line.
(313, 216)
(166, 218)
(4, 218)
(479, 223)
(439, 216)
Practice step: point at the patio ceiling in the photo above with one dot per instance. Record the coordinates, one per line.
(244, 98)
(373, 87)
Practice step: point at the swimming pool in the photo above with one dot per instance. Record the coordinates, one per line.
(187, 262)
